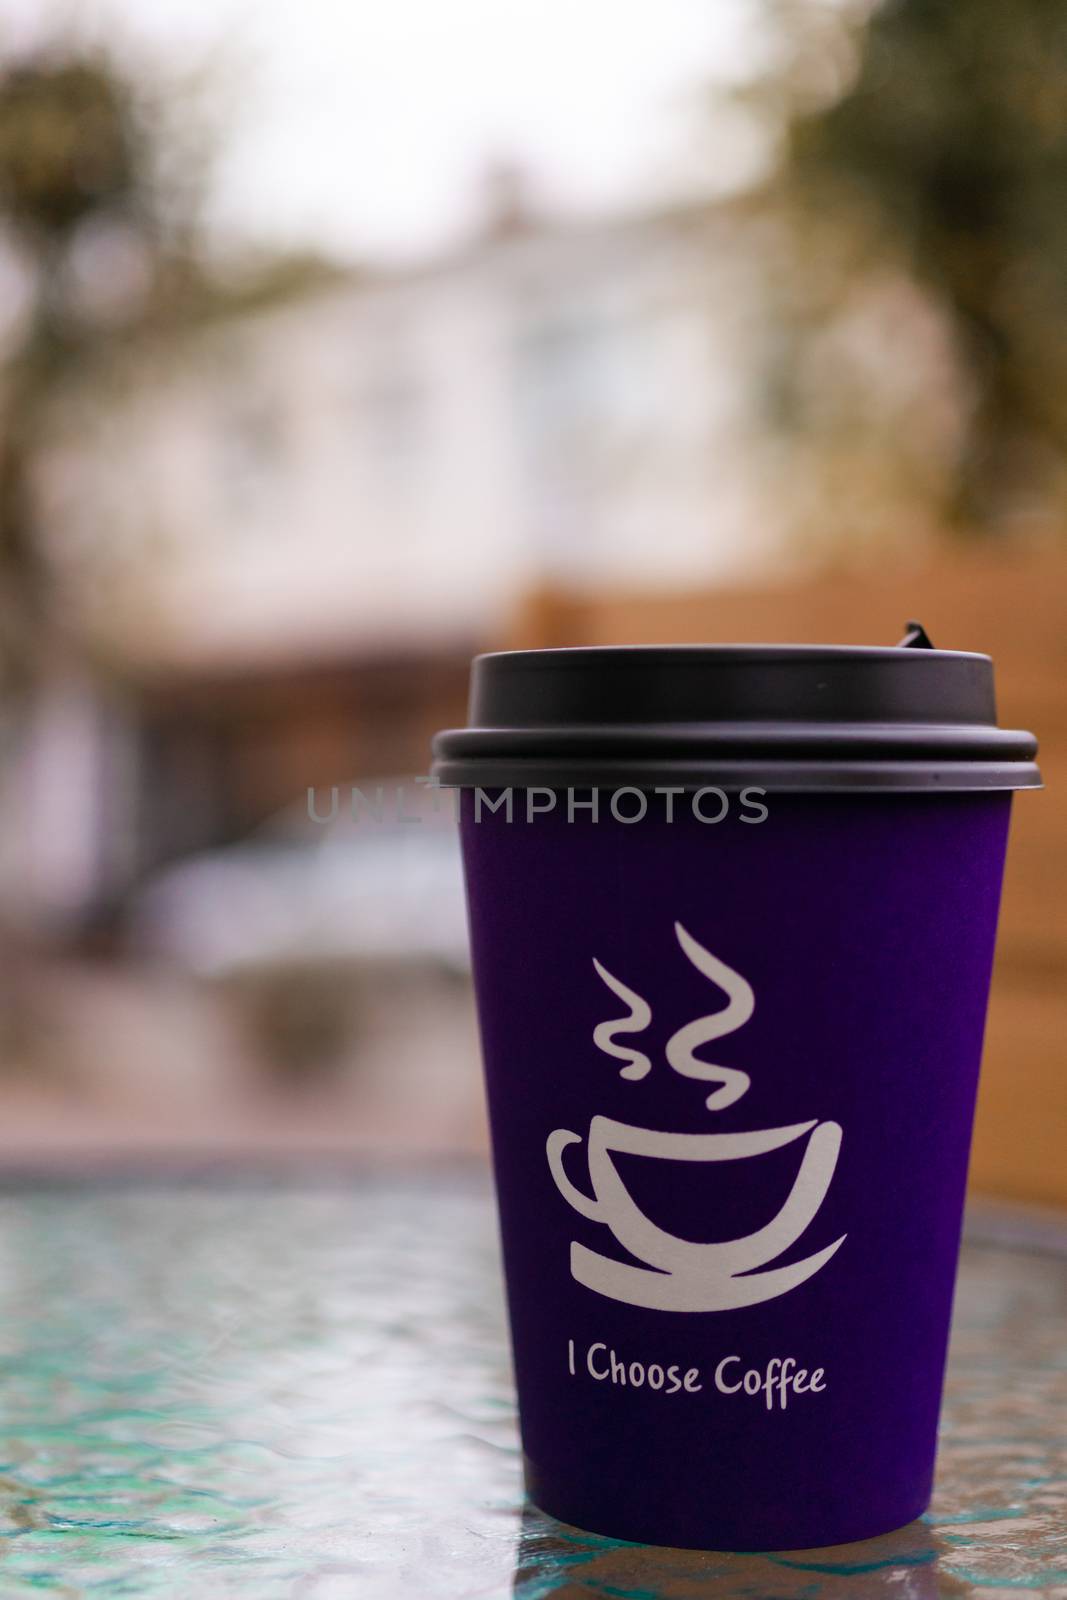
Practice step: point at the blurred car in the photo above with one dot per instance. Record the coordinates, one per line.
(306, 922)
(379, 882)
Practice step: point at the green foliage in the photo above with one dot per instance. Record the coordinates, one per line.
(89, 156)
(68, 144)
(949, 150)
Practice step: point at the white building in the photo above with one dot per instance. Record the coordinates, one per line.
(399, 456)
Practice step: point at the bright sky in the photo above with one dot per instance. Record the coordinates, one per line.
(363, 125)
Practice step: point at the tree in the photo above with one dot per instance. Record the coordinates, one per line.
(75, 167)
(946, 153)
(100, 188)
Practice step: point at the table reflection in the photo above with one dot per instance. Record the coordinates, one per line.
(556, 1562)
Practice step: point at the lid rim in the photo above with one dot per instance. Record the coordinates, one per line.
(951, 741)
(856, 777)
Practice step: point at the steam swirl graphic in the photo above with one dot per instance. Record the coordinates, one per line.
(636, 1020)
(681, 1047)
(739, 1008)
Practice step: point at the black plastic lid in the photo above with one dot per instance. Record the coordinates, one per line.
(787, 717)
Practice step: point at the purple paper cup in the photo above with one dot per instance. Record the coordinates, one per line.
(732, 977)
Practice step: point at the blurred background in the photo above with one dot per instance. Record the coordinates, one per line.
(338, 342)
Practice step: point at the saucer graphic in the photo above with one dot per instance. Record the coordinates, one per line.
(681, 1275)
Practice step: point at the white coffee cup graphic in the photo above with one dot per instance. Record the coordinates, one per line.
(682, 1275)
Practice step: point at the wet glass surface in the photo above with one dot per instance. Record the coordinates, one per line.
(298, 1391)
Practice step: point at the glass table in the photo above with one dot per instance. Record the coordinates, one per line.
(301, 1389)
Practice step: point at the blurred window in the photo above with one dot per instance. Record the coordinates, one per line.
(564, 378)
(251, 453)
(394, 416)
(582, 380)
(391, 420)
